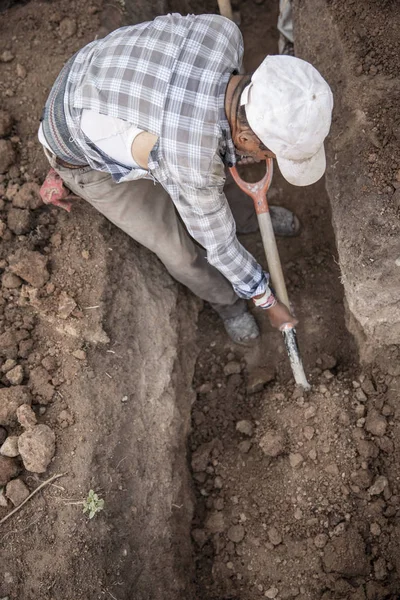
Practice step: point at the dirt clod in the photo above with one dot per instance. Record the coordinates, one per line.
(8, 469)
(10, 399)
(346, 555)
(28, 197)
(10, 281)
(26, 416)
(31, 266)
(37, 447)
(17, 491)
(375, 423)
(245, 427)
(236, 533)
(39, 381)
(16, 375)
(272, 443)
(7, 155)
(274, 536)
(6, 123)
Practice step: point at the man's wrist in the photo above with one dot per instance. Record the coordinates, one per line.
(266, 300)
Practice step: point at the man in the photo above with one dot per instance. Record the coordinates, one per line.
(142, 124)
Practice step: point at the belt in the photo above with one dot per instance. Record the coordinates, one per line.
(63, 163)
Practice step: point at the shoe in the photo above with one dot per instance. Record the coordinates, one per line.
(284, 222)
(242, 329)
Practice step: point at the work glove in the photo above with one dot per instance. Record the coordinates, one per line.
(53, 191)
(278, 314)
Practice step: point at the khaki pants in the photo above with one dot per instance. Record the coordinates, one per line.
(147, 214)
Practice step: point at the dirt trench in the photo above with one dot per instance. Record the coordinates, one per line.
(292, 495)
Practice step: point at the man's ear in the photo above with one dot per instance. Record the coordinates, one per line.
(245, 135)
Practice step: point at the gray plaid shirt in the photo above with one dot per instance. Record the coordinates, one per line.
(169, 77)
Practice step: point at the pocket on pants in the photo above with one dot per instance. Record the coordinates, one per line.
(91, 178)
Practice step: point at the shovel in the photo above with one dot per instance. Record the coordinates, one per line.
(258, 192)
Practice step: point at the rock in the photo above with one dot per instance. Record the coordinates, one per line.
(6, 123)
(65, 419)
(3, 499)
(10, 399)
(375, 423)
(327, 361)
(66, 305)
(232, 367)
(386, 445)
(328, 374)
(6, 56)
(295, 459)
(8, 345)
(272, 443)
(79, 354)
(367, 449)
(321, 540)
(380, 569)
(332, 469)
(375, 529)
(10, 447)
(215, 522)
(7, 155)
(8, 365)
(309, 432)
(37, 447)
(205, 388)
(3, 435)
(3, 229)
(68, 28)
(245, 446)
(362, 478)
(272, 592)
(8, 469)
(16, 375)
(31, 266)
(310, 412)
(258, 378)
(28, 196)
(201, 456)
(39, 383)
(378, 486)
(361, 397)
(21, 71)
(19, 220)
(26, 416)
(346, 555)
(49, 363)
(245, 427)
(16, 491)
(236, 533)
(10, 281)
(274, 536)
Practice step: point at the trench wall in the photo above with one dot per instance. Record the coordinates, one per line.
(354, 47)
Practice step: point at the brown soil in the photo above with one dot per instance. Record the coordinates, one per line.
(296, 495)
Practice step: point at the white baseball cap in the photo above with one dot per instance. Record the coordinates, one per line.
(288, 106)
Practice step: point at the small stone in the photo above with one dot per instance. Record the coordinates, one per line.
(332, 469)
(11, 281)
(10, 399)
(26, 416)
(274, 536)
(375, 529)
(258, 378)
(8, 469)
(204, 388)
(16, 375)
(328, 374)
(66, 305)
(245, 427)
(309, 432)
(16, 491)
(245, 446)
(310, 412)
(49, 363)
(236, 533)
(232, 367)
(39, 382)
(360, 395)
(321, 540)
(37, 448)
(3, 502)
(68, 28)
(312, 454)
(201, 456)
(79, 354)
(298, 514)
(6, 56)
(8, 365)
(375, 423)
(31, 266)
(28, 196)
(295, 460)
(215, 522)
(272, 592)
(380, 569)
(10, 447)
(21, 71)
(379, 485)
(65, 419)
(328, 362)
(272, 443)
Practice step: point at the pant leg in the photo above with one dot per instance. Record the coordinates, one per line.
(146, 213)
(241, 205)
(285, 19)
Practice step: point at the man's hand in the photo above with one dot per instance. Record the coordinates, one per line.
(280, 317)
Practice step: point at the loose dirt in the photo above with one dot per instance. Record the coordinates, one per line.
(294, 495)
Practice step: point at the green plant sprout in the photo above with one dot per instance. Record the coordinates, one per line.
(93, 504)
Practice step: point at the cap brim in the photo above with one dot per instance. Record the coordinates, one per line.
(303, 172)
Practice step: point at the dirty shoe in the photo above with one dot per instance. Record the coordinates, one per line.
(242, 329)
